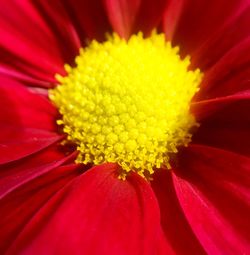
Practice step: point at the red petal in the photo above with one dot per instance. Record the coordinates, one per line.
(128, 17)
(203, 109)
(228, 128)
(56, 17)
(171, 17)
(16, 143)
(236, 138)
(18, 173)
(96, 214)
(229, 75)
(20, 206)
(213, 189)
(20, 108)
(202, 23)
(15, 74)
(149, 15)
(27, 41)
(89, 18)
(176, 228)
(122, 15)
(225, 39)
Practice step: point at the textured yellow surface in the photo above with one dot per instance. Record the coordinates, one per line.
(127, 102)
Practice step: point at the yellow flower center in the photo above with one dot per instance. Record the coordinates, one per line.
(127, 102)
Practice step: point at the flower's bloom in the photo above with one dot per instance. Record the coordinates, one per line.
(51, 205)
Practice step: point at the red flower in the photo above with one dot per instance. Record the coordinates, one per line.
(50, 205)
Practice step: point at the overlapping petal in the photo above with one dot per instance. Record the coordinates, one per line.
(16, 144)
(207, 39)
(30, 45)
(27, 121)
(213, 189)
(230, 75)
(171, 17)
(227, 128)
(89, 19)
(175, 226)
(95, 214)
(206, 108)
(225, 38)
(50, 206)
(16, 174)
(22, 108)
(19, 206)
(122, 15)
(128, 17)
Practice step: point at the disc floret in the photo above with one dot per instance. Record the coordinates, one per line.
(127, 102)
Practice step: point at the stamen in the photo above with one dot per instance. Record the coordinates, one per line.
(128, 102)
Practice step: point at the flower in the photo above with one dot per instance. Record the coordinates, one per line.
(51, 205)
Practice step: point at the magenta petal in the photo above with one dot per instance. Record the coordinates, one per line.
(16, 143)
(195, 29)
(175, 226)
(17, 208)
(128, 17)
(18, 173)
(21, 108)
(122, 15)
(230, 75)
(236, 138)
(232, 33)
(205, 108)
(149, 15)
(18, 75)
(67, 40)
(171, 17)
(27, 42)
(227, 128)
(96, 214)
(89, 18)
(213, 189)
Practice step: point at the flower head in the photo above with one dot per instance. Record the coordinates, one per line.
(120, 103)
(124, 127)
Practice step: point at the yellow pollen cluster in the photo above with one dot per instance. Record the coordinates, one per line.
(127, 102)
